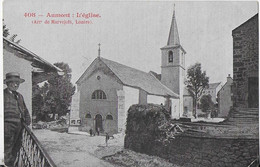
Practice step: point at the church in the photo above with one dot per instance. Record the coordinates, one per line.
(107, 89)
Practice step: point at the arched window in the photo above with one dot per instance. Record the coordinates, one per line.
(109, 117)
(170, 57)
(98, 94)
(88, 116)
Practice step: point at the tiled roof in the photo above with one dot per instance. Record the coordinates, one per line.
(214, 85)
(139, 79)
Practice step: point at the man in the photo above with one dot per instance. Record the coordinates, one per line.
(15, 113)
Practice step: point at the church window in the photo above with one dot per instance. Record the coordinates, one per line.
(109, 117)
(88, 116)
(98, 94)
(170, 57)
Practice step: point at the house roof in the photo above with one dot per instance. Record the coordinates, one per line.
(214, 85)
(137, 79)
(224, 85)
(41, 68)
(30, 55)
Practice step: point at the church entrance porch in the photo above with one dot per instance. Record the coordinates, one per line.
(98, 123)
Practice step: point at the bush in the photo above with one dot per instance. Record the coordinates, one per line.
(207, 104)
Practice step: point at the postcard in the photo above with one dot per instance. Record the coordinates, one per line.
(130, 83)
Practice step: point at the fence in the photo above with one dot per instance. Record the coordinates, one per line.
(32, 153)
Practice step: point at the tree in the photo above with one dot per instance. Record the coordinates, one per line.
(206, 104)
(5, 31)
(59, 91)
(196, 82)
(6, 34)
(54, 97)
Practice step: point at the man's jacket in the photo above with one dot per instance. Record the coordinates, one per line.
(14, 108)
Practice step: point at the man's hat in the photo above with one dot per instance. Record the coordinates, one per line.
(13, 76)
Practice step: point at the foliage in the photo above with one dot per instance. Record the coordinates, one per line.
(5, 31)
(196, 82)
(206, 103)
(56, 94)
(6, 34)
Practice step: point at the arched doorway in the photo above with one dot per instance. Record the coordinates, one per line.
(98, 122)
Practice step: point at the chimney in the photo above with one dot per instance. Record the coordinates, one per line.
(229, 79)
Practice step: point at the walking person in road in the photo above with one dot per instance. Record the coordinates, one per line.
(15, 114)
(98, 130)
(107, 138)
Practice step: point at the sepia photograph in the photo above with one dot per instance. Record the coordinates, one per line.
(129, 83)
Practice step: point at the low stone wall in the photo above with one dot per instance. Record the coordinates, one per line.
(186, 150)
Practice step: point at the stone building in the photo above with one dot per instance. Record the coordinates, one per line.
(245, 64)
(107, 89)
(224, 98)
(31, 67)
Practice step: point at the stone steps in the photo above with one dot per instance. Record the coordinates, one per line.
(244, 116)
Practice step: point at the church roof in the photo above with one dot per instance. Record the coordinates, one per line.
(173, 35)
(139, 79)
(132, 77)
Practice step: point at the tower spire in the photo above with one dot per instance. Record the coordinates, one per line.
(173, 35)
(99, 50)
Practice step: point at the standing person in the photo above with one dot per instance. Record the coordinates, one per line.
(107, 138)
(90, 131)
(15, 113)
(98, 130)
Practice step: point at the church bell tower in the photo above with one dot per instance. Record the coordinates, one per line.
(173, 68)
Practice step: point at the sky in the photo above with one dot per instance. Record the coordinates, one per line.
(130, 32)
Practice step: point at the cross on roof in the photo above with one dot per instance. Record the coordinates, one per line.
(99, 50)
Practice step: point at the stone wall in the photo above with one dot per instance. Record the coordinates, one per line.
(245, 59)
(144, 135)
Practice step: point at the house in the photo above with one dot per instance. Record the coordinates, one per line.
(31, 67)
(212, 90)
(224, 98)
(246, 64)
(107, 89)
